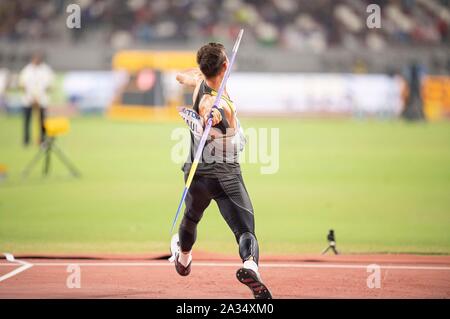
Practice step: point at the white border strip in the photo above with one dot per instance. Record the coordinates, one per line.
(221, 264)
(11, 259)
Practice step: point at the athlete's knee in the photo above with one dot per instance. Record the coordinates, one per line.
(248, 246)
(188, 223)
(187, 233)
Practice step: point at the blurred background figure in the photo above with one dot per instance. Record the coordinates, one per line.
(414, 105)
(331, 243)
(35, 79)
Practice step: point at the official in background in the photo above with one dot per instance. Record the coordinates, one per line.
(35, 79)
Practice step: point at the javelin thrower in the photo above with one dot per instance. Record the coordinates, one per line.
(212, 170)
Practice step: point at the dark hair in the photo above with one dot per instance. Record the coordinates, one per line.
(210, 58)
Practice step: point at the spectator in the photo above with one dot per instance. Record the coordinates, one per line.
(316, 24)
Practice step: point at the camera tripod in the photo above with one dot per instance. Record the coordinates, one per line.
(46, 149)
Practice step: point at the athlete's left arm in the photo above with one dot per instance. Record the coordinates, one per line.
(190, 77)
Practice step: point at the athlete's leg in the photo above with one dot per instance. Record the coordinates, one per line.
(237, 210)
(335, 250)
(197, 200)
(248, 247)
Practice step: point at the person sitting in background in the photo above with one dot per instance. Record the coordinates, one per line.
(35, 79)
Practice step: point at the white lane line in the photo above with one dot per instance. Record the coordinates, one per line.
(11, 259)
(214, 264)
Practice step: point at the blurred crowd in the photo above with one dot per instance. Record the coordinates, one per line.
(295, 24)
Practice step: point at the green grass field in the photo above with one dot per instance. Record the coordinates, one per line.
(383, 187)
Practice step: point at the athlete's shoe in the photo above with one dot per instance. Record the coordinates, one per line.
(182, 270)
(252, 280)
(175, 251)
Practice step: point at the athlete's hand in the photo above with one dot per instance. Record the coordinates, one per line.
(216, 116)
(190, 77)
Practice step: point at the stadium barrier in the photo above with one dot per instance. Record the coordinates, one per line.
(319, 94)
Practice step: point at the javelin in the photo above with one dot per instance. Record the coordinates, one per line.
(202, 143)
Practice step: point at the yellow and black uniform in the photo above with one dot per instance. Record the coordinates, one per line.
(213, 163)
(218, 177)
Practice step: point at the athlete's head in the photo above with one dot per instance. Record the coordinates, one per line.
(212, 60)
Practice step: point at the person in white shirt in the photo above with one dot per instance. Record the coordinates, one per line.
(36, 79)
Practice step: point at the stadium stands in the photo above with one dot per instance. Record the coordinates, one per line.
(317, 24)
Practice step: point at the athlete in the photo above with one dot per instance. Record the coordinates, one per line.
(218, 175)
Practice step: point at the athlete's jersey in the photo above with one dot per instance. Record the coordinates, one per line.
(221, 153)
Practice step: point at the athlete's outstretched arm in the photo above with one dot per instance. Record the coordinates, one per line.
(190, 77)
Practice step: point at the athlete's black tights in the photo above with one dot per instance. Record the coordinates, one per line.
(234, 204)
